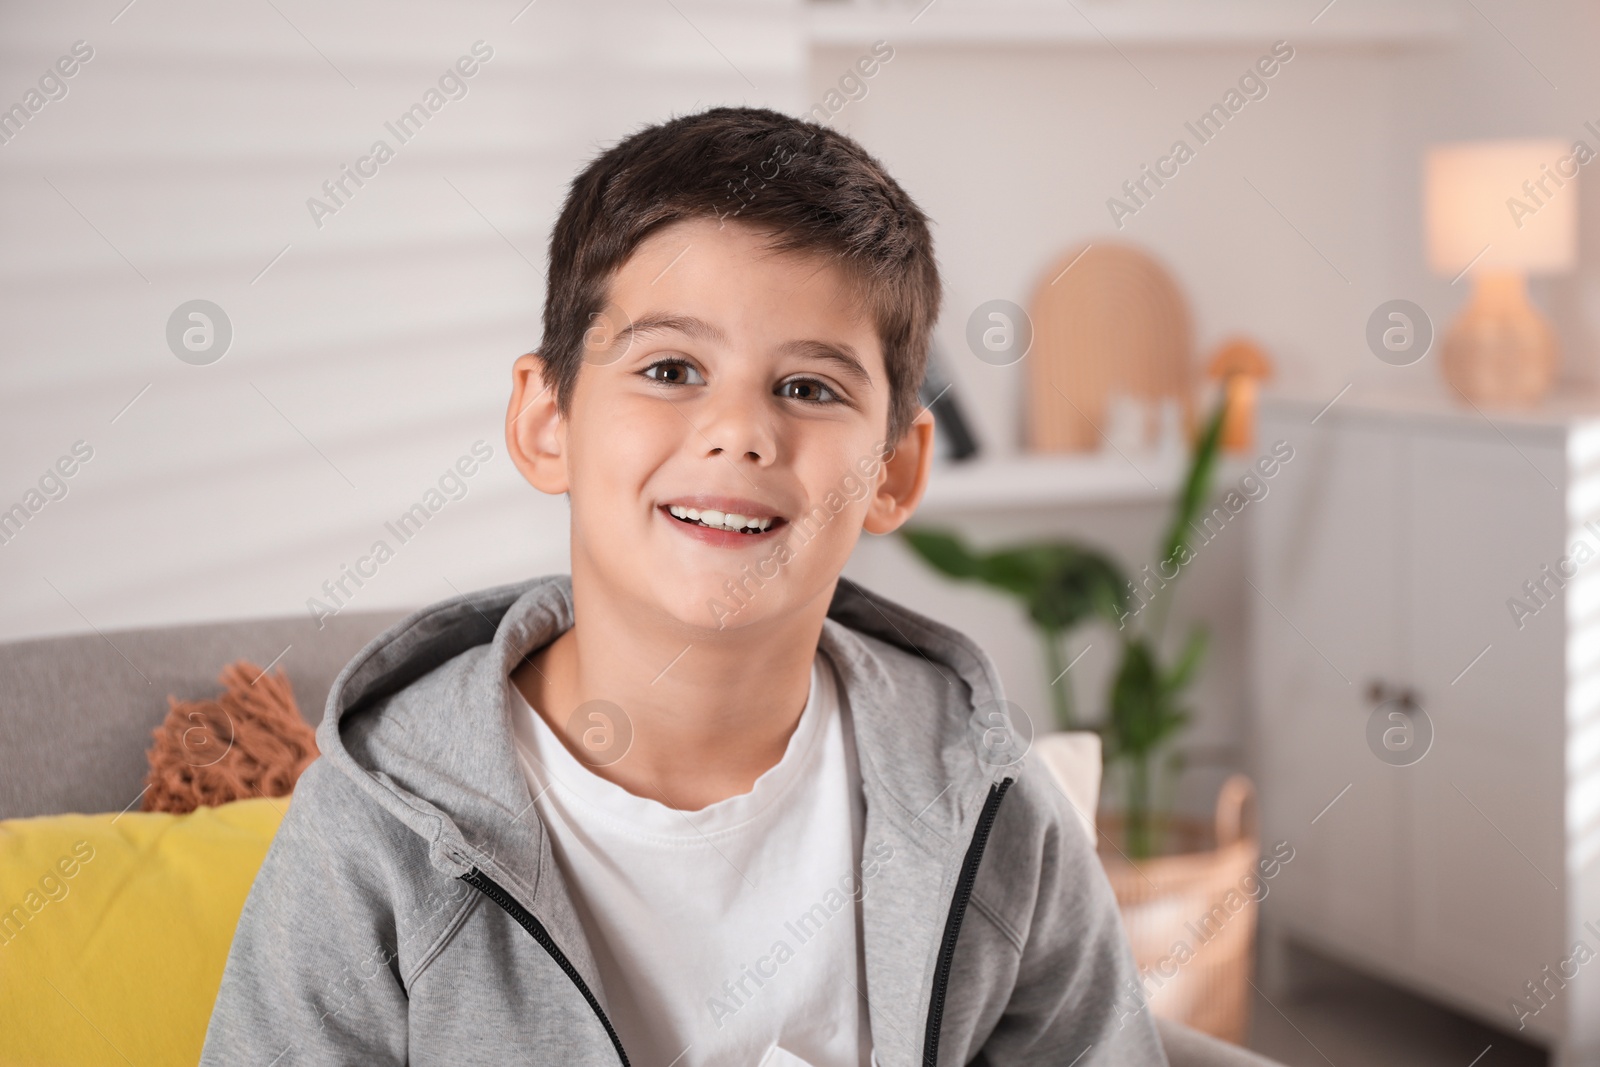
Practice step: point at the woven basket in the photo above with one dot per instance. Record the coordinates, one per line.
(1199, 897)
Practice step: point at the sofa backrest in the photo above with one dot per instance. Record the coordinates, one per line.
(77, 712)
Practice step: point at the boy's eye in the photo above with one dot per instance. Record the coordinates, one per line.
(807, 389)
(673, 372)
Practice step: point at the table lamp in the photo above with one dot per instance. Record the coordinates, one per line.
(1500, 210)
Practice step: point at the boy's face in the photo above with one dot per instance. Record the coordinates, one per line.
(725, 385)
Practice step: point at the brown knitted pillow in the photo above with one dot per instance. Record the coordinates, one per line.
(251, 741)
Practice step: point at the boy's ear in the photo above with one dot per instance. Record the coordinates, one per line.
(536, 432)
(904, 479)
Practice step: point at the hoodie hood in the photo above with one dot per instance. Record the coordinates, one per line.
(419, 718)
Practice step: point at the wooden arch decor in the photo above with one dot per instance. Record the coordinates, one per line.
(1107, 318)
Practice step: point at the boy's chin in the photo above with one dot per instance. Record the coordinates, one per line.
(719, 606)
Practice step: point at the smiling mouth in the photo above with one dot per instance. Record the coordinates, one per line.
(712, 519)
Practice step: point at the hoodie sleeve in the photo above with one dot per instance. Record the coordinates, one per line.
(313, 975)
(1076, 998)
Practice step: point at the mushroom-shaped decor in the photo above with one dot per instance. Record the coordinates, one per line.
(1239, 364)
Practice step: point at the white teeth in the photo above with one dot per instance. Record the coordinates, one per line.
(712, 517)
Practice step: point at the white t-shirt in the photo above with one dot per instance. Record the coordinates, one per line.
(728, 936)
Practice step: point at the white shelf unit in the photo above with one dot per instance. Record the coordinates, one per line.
(1095, 23)
(1075, 479)
(1391, 554)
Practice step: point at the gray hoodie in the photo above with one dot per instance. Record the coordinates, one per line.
(409, 910)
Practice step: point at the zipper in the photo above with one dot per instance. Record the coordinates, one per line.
(952, 924)
(491, 889)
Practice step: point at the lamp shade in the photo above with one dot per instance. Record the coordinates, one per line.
(1517, 199)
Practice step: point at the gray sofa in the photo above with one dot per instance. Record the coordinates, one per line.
(76, 714)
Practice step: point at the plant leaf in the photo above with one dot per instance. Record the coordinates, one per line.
(1020, 570)
(943, 551)
(1061, 584)
(1197, 483)
(1193, 652)
(1144, 711)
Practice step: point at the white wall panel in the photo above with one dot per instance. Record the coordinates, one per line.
(372, 353)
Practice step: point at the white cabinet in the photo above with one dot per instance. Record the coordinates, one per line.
(1389, 552)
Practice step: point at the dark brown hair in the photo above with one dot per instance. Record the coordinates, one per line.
(813, 188)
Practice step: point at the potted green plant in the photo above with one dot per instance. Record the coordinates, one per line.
(1167, 872)
(1063, 584)
(1146, 710)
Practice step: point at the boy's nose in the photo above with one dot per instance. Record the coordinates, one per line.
(739, 430)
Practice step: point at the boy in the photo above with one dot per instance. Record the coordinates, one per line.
(705, 802)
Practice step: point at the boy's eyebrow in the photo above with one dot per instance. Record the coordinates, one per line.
(688, 325)
(841, 355)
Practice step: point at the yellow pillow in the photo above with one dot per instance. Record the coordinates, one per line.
(114, 930)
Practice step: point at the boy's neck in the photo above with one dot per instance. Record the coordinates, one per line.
(709, 713)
